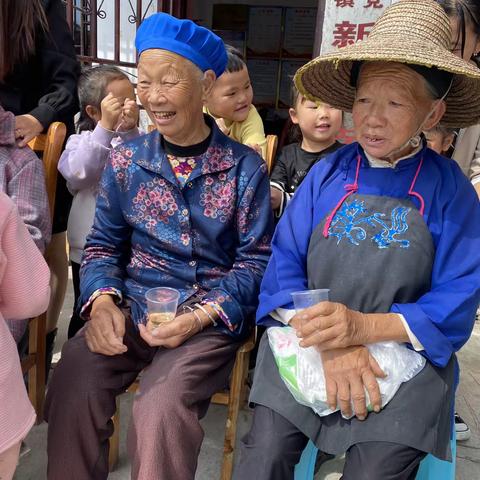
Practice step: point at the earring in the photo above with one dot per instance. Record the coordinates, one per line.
(415, 141)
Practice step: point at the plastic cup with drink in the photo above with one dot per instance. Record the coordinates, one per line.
(162, 304)
(308, 298)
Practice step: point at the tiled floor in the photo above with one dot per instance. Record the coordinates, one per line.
(33, 465)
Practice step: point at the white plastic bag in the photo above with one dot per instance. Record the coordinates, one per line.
(302, 371)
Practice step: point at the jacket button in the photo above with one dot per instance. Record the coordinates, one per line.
(185, 212)
(192, 263)
(196, 286)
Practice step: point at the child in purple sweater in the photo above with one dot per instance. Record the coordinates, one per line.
(108, 116)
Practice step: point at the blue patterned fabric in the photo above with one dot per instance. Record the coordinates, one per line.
(353, 221)
(209, 238)
(442, 319)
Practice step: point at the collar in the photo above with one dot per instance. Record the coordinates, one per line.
(152, 156)
(378, 163)
(7, 128)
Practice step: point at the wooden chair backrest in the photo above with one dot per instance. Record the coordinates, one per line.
(272, 142)
(50, 145)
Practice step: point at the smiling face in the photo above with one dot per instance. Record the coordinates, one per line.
(231, 96)
(172, 91)
(319, 123)
(392, 103)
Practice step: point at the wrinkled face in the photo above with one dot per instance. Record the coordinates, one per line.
(319, 122)
(391, 104)
(231, 96)
(472, 41)
(171, 90)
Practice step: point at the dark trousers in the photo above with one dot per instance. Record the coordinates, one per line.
(76, 323)
(273, 447)
(165, 435)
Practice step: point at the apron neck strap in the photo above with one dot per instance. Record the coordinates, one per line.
(350, 188)
(353, 187)
(416, 194)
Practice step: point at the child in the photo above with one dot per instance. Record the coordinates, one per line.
(230, 103)
(440, 139)
(108, 116)
(319, 125)
(24, 293)
(22, 178)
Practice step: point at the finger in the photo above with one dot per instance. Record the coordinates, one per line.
(319, 309)
(357, 393)
(90, 344)
(112, 341)
(331, 389)
(344, 399)
(373, 390)
(148, 337)
(118, 321)
(376, 368)
(323, 339)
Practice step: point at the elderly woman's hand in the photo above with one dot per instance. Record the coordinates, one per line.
(171, 334)
(106, 327)
(348, 372)
(329, 325)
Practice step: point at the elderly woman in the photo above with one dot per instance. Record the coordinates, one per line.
(183, 207)
(391, 228)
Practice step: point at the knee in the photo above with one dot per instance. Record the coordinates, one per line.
(76, 371)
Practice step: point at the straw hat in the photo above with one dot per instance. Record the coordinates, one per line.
(410, 32)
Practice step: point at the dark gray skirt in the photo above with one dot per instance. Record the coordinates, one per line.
(419, 415)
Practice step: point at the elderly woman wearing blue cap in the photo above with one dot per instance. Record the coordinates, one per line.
(183, 207)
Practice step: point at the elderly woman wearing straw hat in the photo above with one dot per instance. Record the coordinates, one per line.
(184, 207)
(393, 230)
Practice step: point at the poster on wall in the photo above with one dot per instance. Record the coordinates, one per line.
(347, 21)
(264, 78)
(288, 69)
(264, 31)
(299, 33)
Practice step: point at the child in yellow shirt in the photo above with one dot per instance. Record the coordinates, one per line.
(230, 104)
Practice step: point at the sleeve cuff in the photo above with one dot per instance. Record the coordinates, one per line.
(283, 315)
(102, 136)
(418, 347)
(475, 180)
(85, 311)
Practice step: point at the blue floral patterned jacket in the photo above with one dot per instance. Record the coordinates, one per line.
(210, 238)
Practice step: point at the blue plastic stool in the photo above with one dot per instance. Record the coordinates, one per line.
(431, 468)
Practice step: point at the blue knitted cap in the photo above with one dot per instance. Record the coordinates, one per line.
(183, 37)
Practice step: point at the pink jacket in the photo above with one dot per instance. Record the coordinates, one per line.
(24, 293)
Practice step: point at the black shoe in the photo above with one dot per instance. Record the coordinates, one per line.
(461, 428)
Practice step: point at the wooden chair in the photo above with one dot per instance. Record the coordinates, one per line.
(234, 398)
(50, 145)
(272, 143)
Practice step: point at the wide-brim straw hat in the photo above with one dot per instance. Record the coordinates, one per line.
(411, 32)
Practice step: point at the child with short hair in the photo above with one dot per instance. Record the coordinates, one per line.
(319, 125)
(230, 104)
(108, 116)
(440, 139)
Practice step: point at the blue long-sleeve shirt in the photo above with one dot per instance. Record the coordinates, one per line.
(441, 319)
(210, 238)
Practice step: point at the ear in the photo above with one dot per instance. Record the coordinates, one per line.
(208, 80)
(93, 112)
(437, 113)
(293, 116)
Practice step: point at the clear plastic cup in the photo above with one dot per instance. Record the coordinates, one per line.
(162, 304)
(308, 298)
